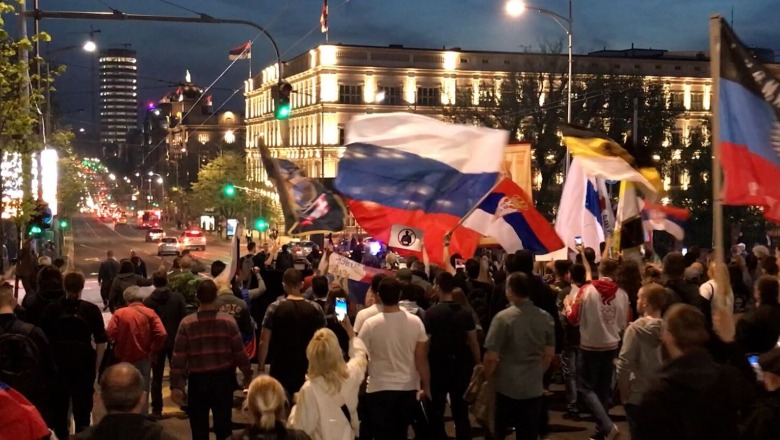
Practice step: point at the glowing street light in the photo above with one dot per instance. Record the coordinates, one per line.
(90, 46)
(515, 8)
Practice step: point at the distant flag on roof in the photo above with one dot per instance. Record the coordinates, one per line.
(324, 17)
(243, 52)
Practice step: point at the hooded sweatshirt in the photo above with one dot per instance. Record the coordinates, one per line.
(170, 307)
(602, 311)
(640, 357)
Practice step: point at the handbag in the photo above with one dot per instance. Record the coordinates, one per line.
(475, 385)
(109, 359)
(484, 407)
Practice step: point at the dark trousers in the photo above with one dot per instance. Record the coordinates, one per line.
(450, 381)
(391, 413)
(521, 414)
(632, 412)
(210, 392)
(594, 385)
(158, 369)
(74, 388)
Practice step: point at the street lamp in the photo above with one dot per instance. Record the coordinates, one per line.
(515, 8)
(162, 186)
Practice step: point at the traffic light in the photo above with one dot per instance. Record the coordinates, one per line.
(40, 219)
(34, 229)
(281, 95)
(261, 225)
(63, 224)
(229, 190)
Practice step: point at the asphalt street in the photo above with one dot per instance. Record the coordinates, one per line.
(92, 239)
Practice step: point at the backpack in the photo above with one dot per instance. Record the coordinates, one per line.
(20, 365)
(72, 345)
(480, 302)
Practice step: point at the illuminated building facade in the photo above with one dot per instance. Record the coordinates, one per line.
(118, 95)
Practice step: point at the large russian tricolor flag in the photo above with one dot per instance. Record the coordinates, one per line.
(411, 170)
(749, 106)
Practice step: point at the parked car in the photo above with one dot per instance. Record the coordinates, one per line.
(168, 246)
(122, 220)
(154, 235)
(193, 240)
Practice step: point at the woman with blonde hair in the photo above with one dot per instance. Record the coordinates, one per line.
(326, 405)
(266, 402)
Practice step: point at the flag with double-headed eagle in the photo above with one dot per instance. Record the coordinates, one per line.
(324, 17)
(508, 216)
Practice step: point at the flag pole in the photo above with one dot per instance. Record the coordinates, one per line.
(473, 208)
(250, 60)
(717, 191)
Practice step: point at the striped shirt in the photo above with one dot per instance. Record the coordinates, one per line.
(207, 341)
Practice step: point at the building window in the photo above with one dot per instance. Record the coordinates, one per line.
(350, 94)
(203, 138)
(677, 68)
(428, 96)
(342, 135)
(464, 60)
(392, 95)
(697, 102)
(657, 67)
(485, 61)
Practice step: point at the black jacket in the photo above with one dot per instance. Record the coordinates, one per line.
(170, 307)
(763, 421)
(693, 398)
(34, 304)
(118, 286)
(124, 427)
(759, 329)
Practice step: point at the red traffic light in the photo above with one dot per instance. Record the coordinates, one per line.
(285, 89)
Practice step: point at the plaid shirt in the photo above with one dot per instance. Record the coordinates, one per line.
(207, 341)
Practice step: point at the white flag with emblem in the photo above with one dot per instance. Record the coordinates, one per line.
(405, 237)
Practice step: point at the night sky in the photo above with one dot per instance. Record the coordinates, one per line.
(166, 50)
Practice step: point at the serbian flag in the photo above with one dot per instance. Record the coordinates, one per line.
(411, 170)
(748, 115)
(324, 17)
(508, 215)
(243, 52)
(665, 218)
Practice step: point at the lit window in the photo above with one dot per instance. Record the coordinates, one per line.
(203, 138)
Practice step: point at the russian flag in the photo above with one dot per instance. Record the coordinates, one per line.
(749, 105)
(508, 216)
(411, 170)
(665, 218)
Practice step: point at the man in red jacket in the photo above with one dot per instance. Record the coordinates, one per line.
(137, 333)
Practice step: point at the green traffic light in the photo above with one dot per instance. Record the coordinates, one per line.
(283, 111)
(261, 225)
(63, 224)
(35, 229)
(229, 190)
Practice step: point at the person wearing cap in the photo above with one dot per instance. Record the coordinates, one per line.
(763, 422)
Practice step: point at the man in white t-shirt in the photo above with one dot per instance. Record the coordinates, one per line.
(398, 366)
(375, 308)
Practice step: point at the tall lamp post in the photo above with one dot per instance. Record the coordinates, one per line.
(515, 8)
(162, 186)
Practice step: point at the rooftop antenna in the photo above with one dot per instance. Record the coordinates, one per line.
(732, 16)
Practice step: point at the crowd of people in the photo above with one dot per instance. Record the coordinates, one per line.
(688, 346)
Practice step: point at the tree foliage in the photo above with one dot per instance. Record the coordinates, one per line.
(531, 103)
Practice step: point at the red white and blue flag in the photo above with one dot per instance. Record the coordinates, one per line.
(508, 215)
(324, 17)
(749, 115)
(243, 52)
(408, 169)
(665, 218)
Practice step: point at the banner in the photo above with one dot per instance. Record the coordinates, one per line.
(352, 270)
(405, 237)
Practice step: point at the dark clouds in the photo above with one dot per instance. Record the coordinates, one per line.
(166, 50)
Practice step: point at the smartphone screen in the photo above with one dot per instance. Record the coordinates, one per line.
(341, 308)
(578, 240)
(753, 359)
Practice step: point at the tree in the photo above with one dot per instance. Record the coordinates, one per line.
(20, 98)
(531, 105)
(208, 191)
